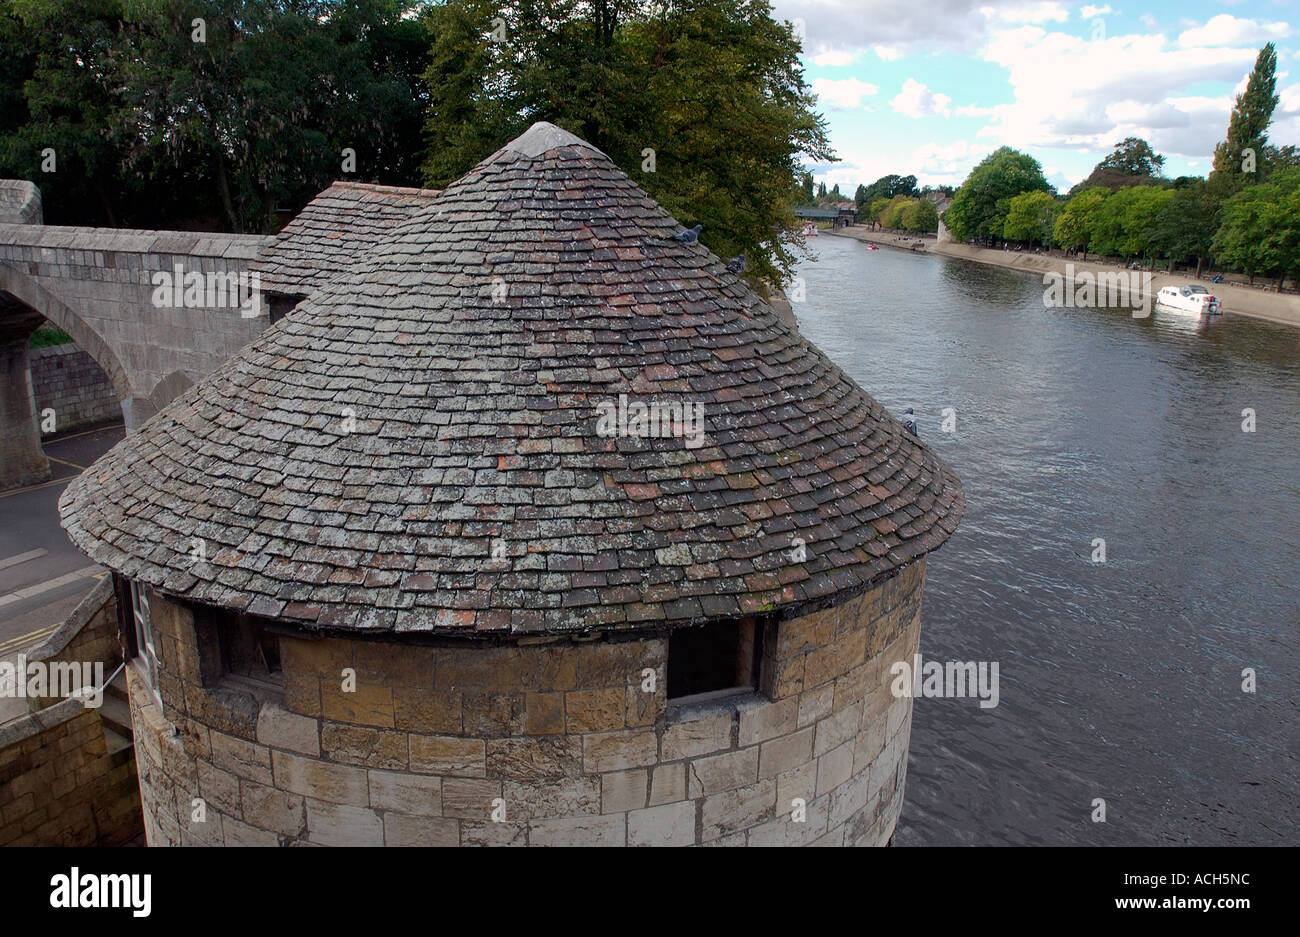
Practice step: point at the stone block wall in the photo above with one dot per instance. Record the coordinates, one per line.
(59, 784)
(68, 381)
(88, 634)
(532, 743)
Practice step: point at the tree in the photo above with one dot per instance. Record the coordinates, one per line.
(153, 129)
(1260, 232)
(979, 206)
(1278, 158)
(877, 210)
(1132, 162)
(891, 214)
(889, 186)
(1125, 223)
(1030, 217)
(1077, 220)
(919, 215)
(63, 90)
(1184, 229)
(715, 88)
(1237, 157)
(806, 188)
(821, 191)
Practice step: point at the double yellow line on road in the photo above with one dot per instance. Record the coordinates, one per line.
(32, 637)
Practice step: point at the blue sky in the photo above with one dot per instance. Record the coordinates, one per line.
(930, 87)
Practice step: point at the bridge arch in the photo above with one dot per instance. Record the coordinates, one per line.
(36, 297)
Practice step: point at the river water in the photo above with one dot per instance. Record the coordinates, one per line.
(1120, 681)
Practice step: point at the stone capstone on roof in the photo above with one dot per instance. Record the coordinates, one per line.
(334, 230)
(418, 447)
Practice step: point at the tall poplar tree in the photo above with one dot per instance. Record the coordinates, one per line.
(1241, 155)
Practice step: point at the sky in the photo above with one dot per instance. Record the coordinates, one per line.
(930, 87)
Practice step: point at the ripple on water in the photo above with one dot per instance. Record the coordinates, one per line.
(1123, 680)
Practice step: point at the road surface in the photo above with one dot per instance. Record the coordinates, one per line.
(42, 575)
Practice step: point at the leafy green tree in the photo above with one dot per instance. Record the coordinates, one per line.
(267, 104)
(919, 215)
(1280, 157)
(17, 63)
(1248, 125)
(716, 89)
(1184, 229)
(1077, 220)
(877, 210)
(1125, 223)
(62, 95)
(891, 214)
(980, 205)
(1030, 217)
(152, 128)
(806, 187)
(1260, 231)
(889, 186)
(1132, 162)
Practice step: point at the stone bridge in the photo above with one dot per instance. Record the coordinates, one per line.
(97, 285)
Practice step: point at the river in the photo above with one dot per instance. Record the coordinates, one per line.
(1119, 681)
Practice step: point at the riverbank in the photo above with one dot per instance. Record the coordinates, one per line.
(907, 242)
(1282, 308)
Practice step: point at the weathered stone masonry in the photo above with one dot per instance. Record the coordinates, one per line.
(66, 777)
(562, 733)
(67, 380)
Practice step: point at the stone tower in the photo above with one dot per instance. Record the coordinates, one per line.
(533, 526)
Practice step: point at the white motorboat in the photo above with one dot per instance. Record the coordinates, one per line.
(1190, 300)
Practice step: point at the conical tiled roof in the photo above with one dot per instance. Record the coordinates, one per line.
(474, 491)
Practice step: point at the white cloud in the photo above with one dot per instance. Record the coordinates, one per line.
(974, 110)
(834, 58)
(916, 100)
(1071, 91)
(1063, 179)
(946, 164)
(1088, 11)
(1286, 119)
(900, 27)
(843, 93)
(1228, 30)
(1045, 11)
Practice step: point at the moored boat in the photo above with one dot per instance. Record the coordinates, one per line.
(1190, 300)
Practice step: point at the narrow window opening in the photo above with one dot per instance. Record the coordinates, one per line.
(248, 648)
(714, 661)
